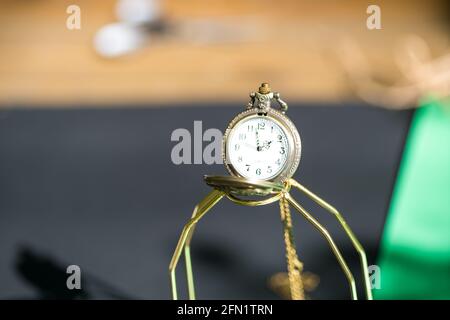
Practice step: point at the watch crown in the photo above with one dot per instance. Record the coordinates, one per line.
(262, 98)
(264, 88)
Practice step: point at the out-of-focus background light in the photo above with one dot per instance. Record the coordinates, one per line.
(202, 50)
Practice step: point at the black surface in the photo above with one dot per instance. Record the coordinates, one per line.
(97, 188)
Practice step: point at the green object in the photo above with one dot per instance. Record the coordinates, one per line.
(414, 259)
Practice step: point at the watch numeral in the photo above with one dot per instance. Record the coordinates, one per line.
(242, 136)
(248, 167)
(278, 162)
(282, 151)
(280, 138)
(261, 125)
(237, 146)
(269, 169)
(258, 171)
(250, 128)
(240, 159)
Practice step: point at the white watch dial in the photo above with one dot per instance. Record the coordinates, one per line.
(258, 148)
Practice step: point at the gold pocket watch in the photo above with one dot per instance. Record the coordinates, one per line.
(262, 142)
(261, 150)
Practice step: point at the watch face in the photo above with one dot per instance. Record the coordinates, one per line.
(258, 148)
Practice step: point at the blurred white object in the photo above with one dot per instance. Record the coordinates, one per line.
(117, 39)
(142, 21)
(138, 11)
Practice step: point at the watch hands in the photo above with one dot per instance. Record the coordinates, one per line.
(266, 145)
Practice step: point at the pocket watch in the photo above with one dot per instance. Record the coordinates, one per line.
(262, 142)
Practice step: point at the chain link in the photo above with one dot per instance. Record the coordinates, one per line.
(294, 266)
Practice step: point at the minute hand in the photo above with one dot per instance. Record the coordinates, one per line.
(258, 147)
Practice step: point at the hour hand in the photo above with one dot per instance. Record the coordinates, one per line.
(266, 145)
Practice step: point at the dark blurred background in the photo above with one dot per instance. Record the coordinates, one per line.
(86, 117)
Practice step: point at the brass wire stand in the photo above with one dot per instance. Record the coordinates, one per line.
(235, 188)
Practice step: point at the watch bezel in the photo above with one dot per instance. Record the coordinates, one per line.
(292, 135)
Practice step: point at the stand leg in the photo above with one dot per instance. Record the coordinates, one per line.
(356, 244)
(294, 266)
(333, 246)
(200, 210)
